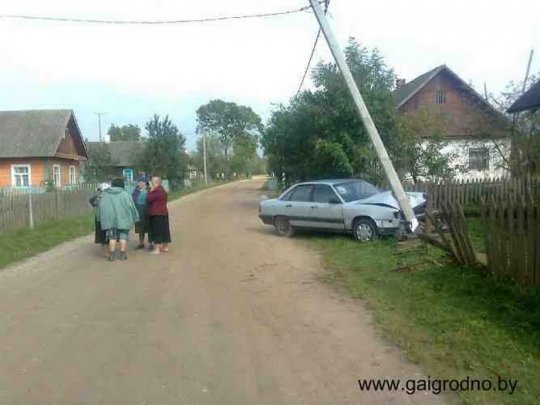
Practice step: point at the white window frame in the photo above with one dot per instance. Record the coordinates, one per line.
(72, 174)
(59, 184)
(26, 165)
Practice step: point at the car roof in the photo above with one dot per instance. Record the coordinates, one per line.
(329, 181)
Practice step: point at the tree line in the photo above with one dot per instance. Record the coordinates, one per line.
(319, 134)
(232, 135)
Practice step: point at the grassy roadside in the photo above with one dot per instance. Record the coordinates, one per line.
(24, 243)
(454, 322)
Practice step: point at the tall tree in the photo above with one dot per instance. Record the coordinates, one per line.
(244, 151)
(164, 153)
(128, 132)
(215, 159)
(229, 121)
(320, 134)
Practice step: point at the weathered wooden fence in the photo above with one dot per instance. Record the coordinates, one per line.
(512, 239)
(471, 192)
(23, 210)
(448, 231)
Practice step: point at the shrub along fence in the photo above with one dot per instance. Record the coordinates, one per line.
(24, 210)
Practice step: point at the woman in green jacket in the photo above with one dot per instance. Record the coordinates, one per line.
(117, 214)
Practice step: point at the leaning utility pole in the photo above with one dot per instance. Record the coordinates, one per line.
(363, 112)
(527, 71)
(204, 157)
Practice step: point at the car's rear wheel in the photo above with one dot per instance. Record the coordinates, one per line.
(283, 227)
(365, 230)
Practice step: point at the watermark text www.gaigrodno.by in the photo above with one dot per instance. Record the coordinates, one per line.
(437, 385)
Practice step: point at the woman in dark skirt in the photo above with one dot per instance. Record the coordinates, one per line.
(158, 215)
(139, 195)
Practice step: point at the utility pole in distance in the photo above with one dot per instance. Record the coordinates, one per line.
(363, 112)
(204, 157)
(99, 124)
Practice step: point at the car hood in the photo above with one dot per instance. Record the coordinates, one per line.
(386, 198)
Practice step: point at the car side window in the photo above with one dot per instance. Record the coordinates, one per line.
(287, 196)
(323, 194)
(301, 193)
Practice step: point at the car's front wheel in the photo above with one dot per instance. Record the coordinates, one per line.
(365, 230)
(283, 227)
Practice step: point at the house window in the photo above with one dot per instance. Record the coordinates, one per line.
(20, 176)
(128, 174)
(66, 133)
(440, 97)
(478, 159)
(72, 175)
(57, 177)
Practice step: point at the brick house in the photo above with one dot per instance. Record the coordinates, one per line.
(474, 130)
(37, 146)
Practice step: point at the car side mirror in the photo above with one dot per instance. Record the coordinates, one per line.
(334, 200)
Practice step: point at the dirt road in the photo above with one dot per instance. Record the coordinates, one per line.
(231, 315)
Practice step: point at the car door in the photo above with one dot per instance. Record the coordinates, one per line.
(328, 209)
(299, 207)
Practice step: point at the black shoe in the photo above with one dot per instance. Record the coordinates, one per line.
(112, 256)
(123, 256)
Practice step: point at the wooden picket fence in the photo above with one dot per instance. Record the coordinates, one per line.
(512, 239)
(448, 231)
(25, 210)
(471, 192)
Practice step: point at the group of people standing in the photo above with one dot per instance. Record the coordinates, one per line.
(116, 212)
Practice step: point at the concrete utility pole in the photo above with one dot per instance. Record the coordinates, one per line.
(99, 124)
(363, 112)
(527, 71)
(204, 157)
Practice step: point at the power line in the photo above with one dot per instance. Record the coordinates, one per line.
(147, 22)
(326, 4)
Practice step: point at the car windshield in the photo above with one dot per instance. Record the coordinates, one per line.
(356, 190)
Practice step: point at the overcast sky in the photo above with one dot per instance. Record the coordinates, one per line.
(132, 72)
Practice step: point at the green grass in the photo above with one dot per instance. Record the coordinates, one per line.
(476, 232)
(24, 243)
(455, 322)
(173, 195)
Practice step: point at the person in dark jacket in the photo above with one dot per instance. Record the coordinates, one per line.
(159, 217)
(117, 214)
(99, 235)
(139, 196)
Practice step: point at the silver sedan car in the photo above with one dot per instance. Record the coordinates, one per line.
(345, 205)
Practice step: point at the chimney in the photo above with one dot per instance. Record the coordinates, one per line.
(400, 83)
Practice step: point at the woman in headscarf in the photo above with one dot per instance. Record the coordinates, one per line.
(139, 196)
(159, 217)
